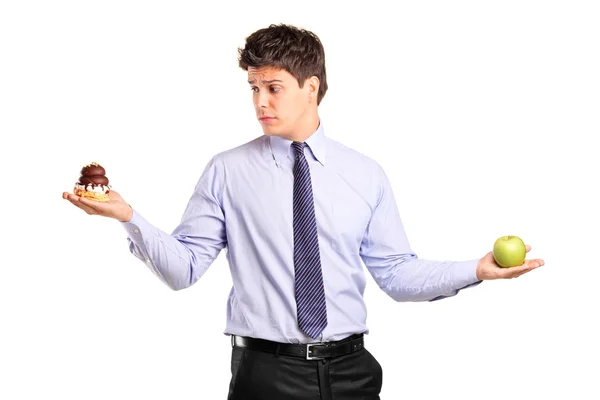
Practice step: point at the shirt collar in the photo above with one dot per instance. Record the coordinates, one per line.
(282, 148)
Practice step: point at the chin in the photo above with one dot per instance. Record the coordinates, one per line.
(271, 131)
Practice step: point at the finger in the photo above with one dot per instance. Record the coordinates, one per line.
(534, 263)
(511, 272)
(99, 207)
(519, 274)
(85, 208)
(70, 196)
(113, 195)
(90, 203)
(528, 265)
(523, 272)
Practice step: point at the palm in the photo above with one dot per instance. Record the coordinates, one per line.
(116, 207)
(488, 269)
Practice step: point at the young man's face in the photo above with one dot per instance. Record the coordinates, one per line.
(282, 107)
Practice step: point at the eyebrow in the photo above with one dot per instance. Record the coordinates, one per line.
(265, 82)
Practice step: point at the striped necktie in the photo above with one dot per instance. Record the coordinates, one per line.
(310, 293)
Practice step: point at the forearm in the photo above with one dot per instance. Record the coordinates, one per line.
(166, 256)
(413, 279)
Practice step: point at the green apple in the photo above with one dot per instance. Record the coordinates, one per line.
(509, 251)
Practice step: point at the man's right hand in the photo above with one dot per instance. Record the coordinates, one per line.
(116, 208)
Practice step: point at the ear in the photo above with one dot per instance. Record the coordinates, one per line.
(313, 88)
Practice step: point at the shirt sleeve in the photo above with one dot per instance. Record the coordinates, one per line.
(398, 271)
(179, 259)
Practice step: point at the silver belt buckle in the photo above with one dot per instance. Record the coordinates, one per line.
(308, 356)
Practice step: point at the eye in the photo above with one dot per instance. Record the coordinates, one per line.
(254, 89)
(275, 89)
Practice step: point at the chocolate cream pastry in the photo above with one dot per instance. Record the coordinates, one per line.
(93, 183)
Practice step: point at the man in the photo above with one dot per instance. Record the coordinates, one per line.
(299, 214)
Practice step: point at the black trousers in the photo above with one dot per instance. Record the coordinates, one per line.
(257, 375)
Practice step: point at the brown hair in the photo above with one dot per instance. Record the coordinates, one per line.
(297, 51)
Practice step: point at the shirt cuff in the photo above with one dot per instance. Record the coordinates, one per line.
(136, 227)
(464, 274)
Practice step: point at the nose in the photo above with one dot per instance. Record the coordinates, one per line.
(261, 99)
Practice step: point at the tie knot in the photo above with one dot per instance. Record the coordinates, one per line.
(299, 147)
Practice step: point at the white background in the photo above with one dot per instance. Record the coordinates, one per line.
(483, 114)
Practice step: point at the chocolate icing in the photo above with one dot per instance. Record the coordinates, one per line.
(93, 175)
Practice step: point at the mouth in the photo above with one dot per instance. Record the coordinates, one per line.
(266, 119)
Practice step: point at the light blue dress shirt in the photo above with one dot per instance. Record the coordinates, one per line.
(243, 203)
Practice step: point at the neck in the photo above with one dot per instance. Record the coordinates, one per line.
(305, 131)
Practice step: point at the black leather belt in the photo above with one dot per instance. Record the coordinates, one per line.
(309, 351)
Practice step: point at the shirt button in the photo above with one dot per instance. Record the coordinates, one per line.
(136, 231)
